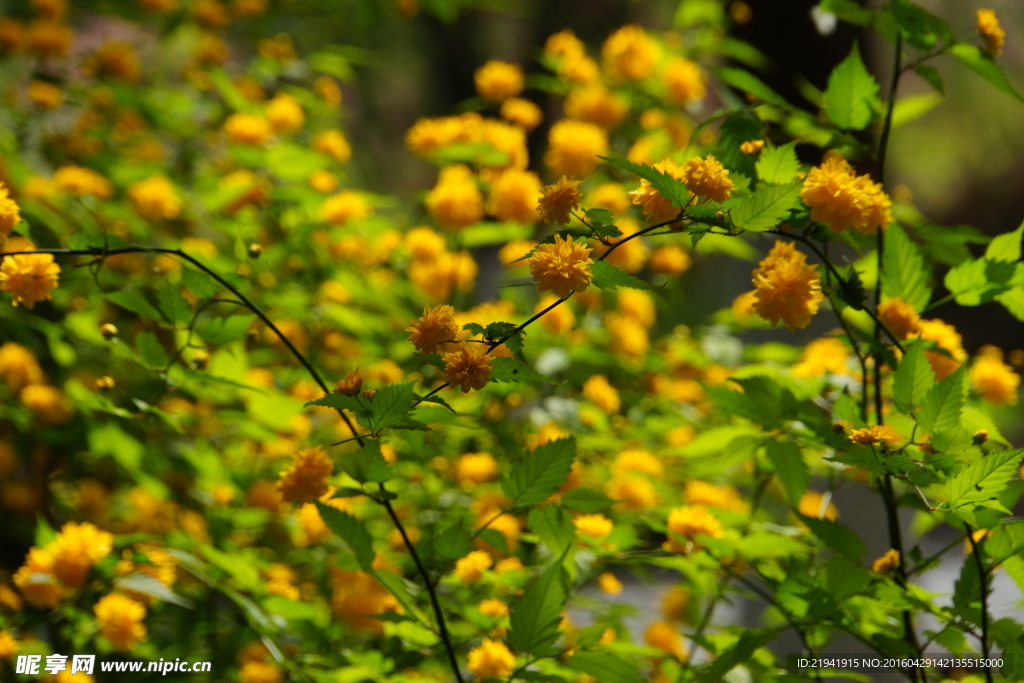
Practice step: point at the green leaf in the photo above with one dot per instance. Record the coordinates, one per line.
(735, 130)
(981, 280)
(603, 222)
(134, 302)
(200, 283)
(606, 666)
(367, 464)
(766, 207)
(932, 77)
(1013, 301)
(836, 536)
(914, 377)
(606, 276)
(341, 402)
(1005, 247)
(741, 652)
(151, 350)
(981, 63)
(225, 330)
(940, 410)
(668, 187)
(921, 28)
(585, 499)
(390, 407)
(849, 11)
(109, 439)
(984, 479)
(851, 98)
(904, 274)
(451, 544)
(790, 467)
(173, 305)
(778, 165)
(512, 370)
(741, 79)
(553, 527)
(539, 474)
(350, 530)
(537, 614)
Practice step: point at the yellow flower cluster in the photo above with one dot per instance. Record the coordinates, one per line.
(306, 478)
(428, 137)
(990, 29)
(787, 289)
(841, 199)
(63, 564)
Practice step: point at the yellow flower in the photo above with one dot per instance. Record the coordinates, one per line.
(707, 178)
(470, 568)
(630, 54)
(684, 82)
(637, 460)
(787, 288)
(657, 209)
(633, 493)
(886, 563)
(596, 104)
(30, 277)
(306, 477)
(629, 337)
(10, 214)
(875, 435)
(599, 390)
(76, 549)
(45, 95)
(561, 267)
(812, 504)
(899, 317)
(334, 144)
(595, 526)
(437, 278)
(351, 385)
(436, 326)
(522, 113)
(564, 44)
(752, 147)
(259, 672)
(36, 581)
(492, 659)
(714, 495)
(666, 638)
(80, 182)
(476, 468)
(513, 196)
(154, 199)
(48, 38)
(247, 129)
(493, 607)
(669, 259)
(347, 205)
(285, 113)
(821, 356)
(8, 645)
(497, 81)
(323, 180)
(994, 379)
(456, 201)
(574, 148)
(610, 196)
(467, 367)
(994, 34)
(120, 620)
(609, 583)
(687, 522)
(559, 200)
(947, 339)
(841, 199)
(117, 59)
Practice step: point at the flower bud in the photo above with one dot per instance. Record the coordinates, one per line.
(368, 394)
(351, 385)
(980, 437)
(104, 383)
(108, 330)
(201, 359)
(255, 250)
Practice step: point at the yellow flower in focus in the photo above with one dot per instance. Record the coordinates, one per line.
(476, 468)
(707, 178)
(306, 477)
(76, 549)
(948, 340)
(841, 199)
(559, 200)
(992, 378)
(993, 33)
(522, 113)
(247, 129)
(36, 581)
(875, 435)
(436, 326)
(498, 81)
(471, 568)
(599, 390)
(45, 95)
(514, 196)
(813, 504)
(595, 526)
(828, 355)
(456, 201)
(787, 288)
(658, 209)
(669, 259)
(31, 278)
(345, 206)
(155, 199)
(684, 82)
(609, 584)
(886, 563)
(687, 522)
(630, 54)
(899, 317)
(666, 638)
(467, 367)
(561, 267)
(596, 104)
(285, 114)
(492, 659)
(333, 144)
(82, 182)
(120, 620)
(574, 148)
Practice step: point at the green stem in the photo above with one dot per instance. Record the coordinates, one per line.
(983, 578)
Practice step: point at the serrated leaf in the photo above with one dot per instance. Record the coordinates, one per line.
(537, 614)
(766, 207)
(367, 464)
(1005, 247)
(668, 187)
(391, 405)
(836, 536)
(778, 165)
(851, 98)
(583, 499)
(914, 377)
(225, 330)
(984, 479)
(1013, 301)
(940, 410)
(982, 64)
(350, 530)
(151, 350)
(606, 276)
(173, 305)
(606, 667)
(603, 222)
(452, 543)
(921, 28)
(200, 283)
(790, 467)
(340, 401)
(513, 370)
(553, 527)
(539, 474)
(904, 274)
(134, 302)
(741, 79)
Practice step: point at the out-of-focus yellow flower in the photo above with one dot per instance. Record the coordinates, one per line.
(492, 659)
(788, 289)
(117, 59)
(610, 196)
(306, 477)
(686, 523)
(665, 637)
(120, 620)
(638, 305)
(994, 379)
(714, 495)
(323, 181)
(456, 202)
(559, 320)
(875, 435)
(345, 206)
(609, 583)
(595, 526)
(285, 114)
(260, 672)
(82, 182)
(211, 13)
(637, 460)
(633, 493)
(628, 337)
(899, 317)
(827, 355)
(813, 504)
(497, 81)
(948, 340)
(467, 367)
(351, 385)
(51, 9)
(155, 199)
(599, 390)
(439, 277)
(247, 129)
(76, 549)
(707, 178)
(514, 196)
(435, 326)
(684, 82)
(10, 214)
(993, 33)
(8, 645)
(36, 580)
(559, 200)
(669, 259)
(494, 608)
(596, 104)
(673, 603)
(841, 199)
(333, 143)
(561, 267)
(47, 38)
(574, 148)
(46, 402)
(630, 54)
(887, 562)
(520, 112)
(248, 8)
(471, 568)
(45, 95)
(476, 468)
(656, 208)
